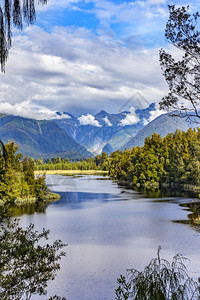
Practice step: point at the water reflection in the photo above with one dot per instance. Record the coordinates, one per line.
(165, 193)
(194, 215)
(28, 209)
(76, 199)
(75, 191)
(110, 228)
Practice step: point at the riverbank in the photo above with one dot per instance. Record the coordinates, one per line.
(72, 172)
(50, 197)
(193, 190)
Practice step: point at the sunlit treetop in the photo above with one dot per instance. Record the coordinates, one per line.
(14, 13)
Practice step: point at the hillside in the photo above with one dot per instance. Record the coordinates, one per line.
(162, 125)
(40, 138)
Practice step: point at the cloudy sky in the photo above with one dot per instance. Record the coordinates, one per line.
(85, 56)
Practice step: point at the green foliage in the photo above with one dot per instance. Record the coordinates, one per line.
(17, 180)
(172, 161)
(26, 264)
(182, 75)
(57, 163)
(41, 189)
(160, 280)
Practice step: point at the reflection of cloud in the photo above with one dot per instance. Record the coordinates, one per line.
(27, 110)
(106, 120)
(130, 118)
(88, 120)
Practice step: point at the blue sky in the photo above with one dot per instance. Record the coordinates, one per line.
(84, 56)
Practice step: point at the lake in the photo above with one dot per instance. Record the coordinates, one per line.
(108, 229)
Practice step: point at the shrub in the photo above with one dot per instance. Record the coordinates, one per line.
(160, 280)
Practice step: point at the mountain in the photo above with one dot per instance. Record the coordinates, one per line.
(121, 137)
(40, 138)
(104, 131)
(81, 137)
(162, 125)
(68, 122)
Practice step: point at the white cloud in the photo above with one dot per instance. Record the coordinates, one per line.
(73, 69)
(27, 110)
(130, 118)
(154, 114)
(62, 115)
(106, 120)
(156, 1)
(88, 120)
(138, 17)
(56, 70)
(145, 122)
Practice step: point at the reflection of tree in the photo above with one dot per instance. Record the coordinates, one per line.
(28, 209)
(194, 207)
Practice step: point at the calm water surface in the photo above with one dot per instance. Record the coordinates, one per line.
(109, 229)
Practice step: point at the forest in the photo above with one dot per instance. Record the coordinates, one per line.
(18, 183)
(172, 162)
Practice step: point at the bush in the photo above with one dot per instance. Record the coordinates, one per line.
(27, 264)
(160, 280)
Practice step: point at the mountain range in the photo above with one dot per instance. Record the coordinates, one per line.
(87, 135)
(104, 131)
(40, 138)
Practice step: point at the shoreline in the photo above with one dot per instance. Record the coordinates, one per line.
(71, 172)
(50, 197)
(185, 188)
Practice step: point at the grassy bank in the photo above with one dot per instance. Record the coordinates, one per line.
(50, 197)
(73, 172)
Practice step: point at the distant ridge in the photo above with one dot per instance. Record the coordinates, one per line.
(162, 125)
(40, 138)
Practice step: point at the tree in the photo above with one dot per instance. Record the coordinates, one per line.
(26, 264)
(160, 280)
(10, 173)
(183, 75)
(40, 187)
(3, 155)
(28, 170)
(14, 13)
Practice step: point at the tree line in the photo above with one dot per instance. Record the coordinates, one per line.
(99, 162)
(172, 161)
